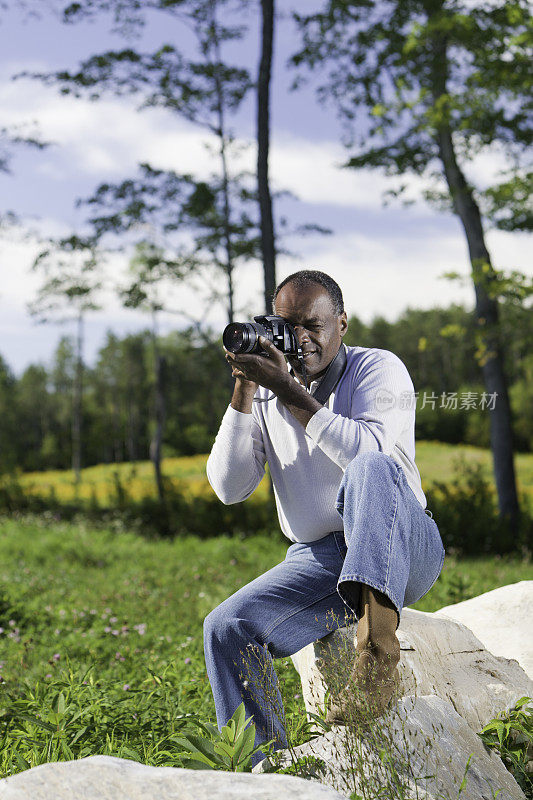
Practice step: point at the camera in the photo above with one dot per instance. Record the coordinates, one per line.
(243, 337)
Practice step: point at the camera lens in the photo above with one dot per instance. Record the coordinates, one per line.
(243, 337)
(233, 337)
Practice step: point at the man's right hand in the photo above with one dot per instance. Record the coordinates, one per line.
(243, 391)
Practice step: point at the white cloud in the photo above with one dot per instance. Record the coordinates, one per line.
(312, 170)
(108, 138)
(380, 269)
(386, 276)
(377, 275)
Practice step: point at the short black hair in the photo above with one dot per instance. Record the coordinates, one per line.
(306, 276)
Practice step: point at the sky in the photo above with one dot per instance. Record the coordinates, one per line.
(385, 259)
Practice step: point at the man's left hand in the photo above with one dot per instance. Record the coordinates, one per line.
(269, 369)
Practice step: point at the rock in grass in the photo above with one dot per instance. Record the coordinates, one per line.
(419, 749)
(501, 620)
(109, 778)
(438, 657)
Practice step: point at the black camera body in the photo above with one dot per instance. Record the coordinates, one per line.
(243, 337)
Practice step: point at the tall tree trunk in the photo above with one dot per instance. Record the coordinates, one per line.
(157, 439)
(77, 409)
(220, 106)
(263, 143)
(131, 436)
(491, 360)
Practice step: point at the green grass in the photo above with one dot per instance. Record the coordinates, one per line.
(124, 608)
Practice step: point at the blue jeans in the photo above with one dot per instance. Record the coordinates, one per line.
(387, 541)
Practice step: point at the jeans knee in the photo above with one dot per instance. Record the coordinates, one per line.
(365, 463)
(217, 625)
(225, 628)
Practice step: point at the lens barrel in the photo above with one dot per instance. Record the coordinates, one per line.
(243, 337)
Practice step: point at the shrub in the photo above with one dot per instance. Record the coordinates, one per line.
(466, 513)
(179, 513)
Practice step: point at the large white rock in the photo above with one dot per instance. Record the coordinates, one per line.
(109, 778)
(425, 737)
(438, 657)
(502, 620)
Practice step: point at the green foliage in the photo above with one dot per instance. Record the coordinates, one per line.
(7, 417)
(218, 212)
(230, 749)
(511, 736)
(521, 397)
(203, 515)
(508, 204)
(71, 279)
(467, 515)
(458, 488)
(109, 652)
(76, 715)
(420, 69)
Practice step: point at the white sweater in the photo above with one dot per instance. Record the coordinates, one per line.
(372, 409)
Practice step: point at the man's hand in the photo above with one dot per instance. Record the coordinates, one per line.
(268, 369)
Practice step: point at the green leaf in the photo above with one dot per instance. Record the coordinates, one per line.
(196, 764)
(238, 717)
(198, 758)
(130, 753)
(465, 776)
(245, 745)
(21, 762)
(209, 728)
(39, 722)
(61, 703)
(501, 731)
(79, 734)
(228, 731)
(195, 744)
(224, 749)
(318, 720)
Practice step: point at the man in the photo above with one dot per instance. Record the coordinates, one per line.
(349, 498)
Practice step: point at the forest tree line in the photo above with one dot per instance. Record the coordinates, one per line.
(437, 346)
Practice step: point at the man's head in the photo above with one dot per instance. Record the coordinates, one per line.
(312, 302)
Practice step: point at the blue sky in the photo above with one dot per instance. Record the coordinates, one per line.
(385, 259)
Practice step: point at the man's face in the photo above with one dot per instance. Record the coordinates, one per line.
(318, 329)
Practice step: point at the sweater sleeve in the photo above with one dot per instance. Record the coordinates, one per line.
(237, 460)
(377, 416)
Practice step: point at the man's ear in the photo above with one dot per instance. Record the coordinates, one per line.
(343, 321)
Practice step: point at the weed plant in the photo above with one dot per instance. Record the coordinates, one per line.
(511, 735)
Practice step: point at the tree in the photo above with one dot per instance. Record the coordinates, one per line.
(268, 246)
(439, 81)
(8, 420)
(118, 399)
(68, 293)
(10, 139)
(35, 418)
(204, 91)
(149, 268)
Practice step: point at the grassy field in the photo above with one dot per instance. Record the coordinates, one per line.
(132, 611)
(436, 462)
(101, 647)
